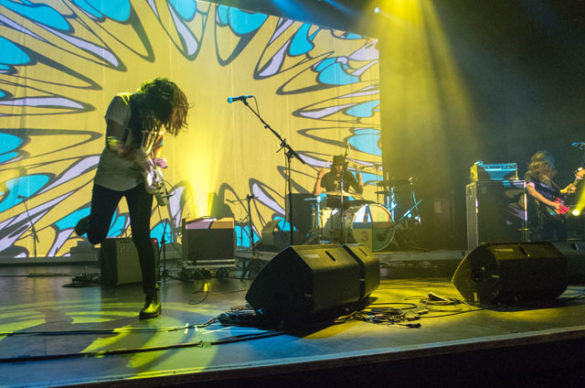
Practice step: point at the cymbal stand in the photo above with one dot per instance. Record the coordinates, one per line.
(289, 154)
(33, 230)
(249, 198)
(390, 200)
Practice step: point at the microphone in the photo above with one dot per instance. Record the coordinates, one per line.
(238, 98)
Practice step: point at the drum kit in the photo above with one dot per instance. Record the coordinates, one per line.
(348, 218)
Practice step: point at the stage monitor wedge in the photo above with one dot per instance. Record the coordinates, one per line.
(307, 280)
(511, 273)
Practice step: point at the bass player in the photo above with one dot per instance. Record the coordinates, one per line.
(548, 195)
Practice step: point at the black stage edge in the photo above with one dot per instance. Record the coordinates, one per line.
(548, 358)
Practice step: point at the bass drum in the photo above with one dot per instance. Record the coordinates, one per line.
(370, 225)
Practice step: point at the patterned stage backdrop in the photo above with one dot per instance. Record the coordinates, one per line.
(62, 61)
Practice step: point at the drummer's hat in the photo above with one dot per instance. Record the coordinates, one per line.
(338, 160)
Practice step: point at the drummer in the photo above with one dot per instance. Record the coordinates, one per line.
(331, 181)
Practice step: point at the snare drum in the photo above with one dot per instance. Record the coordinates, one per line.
(370, 225)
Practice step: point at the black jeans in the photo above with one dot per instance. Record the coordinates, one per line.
(103, 204)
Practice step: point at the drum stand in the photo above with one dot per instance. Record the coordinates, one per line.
(409, 213)
(316, 234)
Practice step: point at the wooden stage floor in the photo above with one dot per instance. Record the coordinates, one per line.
(53, 334)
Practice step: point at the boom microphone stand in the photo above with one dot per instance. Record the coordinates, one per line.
(289, 154)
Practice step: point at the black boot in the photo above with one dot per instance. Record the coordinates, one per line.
(152, 307)
(82, 226)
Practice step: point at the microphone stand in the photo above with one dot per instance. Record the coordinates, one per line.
(289, 154)
(247, 270)
(341, 211)
(33, 231)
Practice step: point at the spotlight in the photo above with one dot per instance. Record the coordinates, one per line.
(576, 212)
(377, 10)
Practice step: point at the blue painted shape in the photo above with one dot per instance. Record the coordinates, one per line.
(367, 142)
(2, 93)
(369, 177)
(283, 225)
(301, 44)
(117, 227)
(365, 109)
(352, 36)
(8, 156)
(222, 15)
(9, 142)
(39, 13)
(3, 67)
(185, 8)
(24, 186)
(325, 63)
(70, 220)
(336, 75)
(87, 8)
(243, 236)
(243, 22)
(162, 228)
(118, 10)
(11, 54)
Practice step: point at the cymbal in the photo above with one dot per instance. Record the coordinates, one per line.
(338, 193)
(393, 182)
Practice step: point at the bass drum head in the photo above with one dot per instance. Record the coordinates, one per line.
(370, 225)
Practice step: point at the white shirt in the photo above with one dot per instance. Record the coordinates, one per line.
(114, 172)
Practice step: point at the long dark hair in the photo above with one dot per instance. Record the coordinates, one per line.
(152, 106)
(542, 164)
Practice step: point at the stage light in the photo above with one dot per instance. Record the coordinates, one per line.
(576, 212)
(377, 10)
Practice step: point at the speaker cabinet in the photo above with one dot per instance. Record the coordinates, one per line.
(496, 212)
(511, 273)
(574, 252)
(305, 280)
(209, 242)
(369, 268)
(119, 261)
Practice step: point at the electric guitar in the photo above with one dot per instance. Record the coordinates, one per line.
(155, 183)
(151, 168)
(564, 209)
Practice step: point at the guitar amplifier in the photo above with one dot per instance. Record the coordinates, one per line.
(119, 261)
(496, 212)
(480, 171)
(209, 242)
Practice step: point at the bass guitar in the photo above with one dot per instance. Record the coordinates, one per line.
(564, 209)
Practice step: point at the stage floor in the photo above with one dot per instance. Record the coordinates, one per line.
(91, 334)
